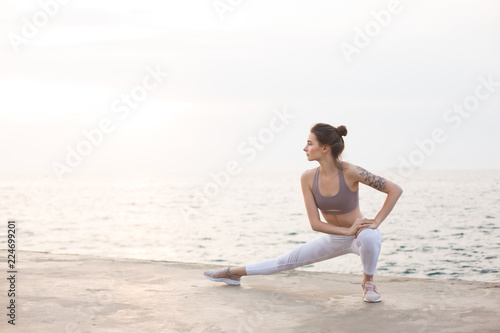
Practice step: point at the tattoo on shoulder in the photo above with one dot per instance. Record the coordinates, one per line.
(372, 180)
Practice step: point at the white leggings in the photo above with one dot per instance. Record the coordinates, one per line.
(366, 245)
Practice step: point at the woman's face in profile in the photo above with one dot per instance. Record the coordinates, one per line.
(312, 148)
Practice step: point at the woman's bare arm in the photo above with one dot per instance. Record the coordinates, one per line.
(393, 191)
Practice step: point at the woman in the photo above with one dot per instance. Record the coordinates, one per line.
(332, 188)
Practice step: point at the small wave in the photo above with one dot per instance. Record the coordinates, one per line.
(295, 242)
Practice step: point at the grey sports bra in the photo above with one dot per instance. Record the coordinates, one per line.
(343, 202)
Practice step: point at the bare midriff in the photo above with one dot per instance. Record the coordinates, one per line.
(344, 220)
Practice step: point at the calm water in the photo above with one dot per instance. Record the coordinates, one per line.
(446, 224)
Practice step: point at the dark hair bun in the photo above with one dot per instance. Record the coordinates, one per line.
(342, 130)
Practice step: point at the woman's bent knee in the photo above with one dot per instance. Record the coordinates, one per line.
(370, 237)
(369, 234)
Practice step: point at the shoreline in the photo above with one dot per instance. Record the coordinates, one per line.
(77, 293)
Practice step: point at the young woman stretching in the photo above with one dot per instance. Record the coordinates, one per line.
(332, 188)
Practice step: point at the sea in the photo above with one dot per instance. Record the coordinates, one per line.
(446, 225)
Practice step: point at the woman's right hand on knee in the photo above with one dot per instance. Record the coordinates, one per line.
(359, 224)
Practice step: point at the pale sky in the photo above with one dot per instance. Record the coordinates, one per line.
(66, 69)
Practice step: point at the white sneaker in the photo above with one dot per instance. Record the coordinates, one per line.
(370, 293)
(223, 275)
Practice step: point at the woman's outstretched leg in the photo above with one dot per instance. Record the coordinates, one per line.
(321, 248)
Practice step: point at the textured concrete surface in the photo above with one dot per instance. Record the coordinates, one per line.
(71, 293)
